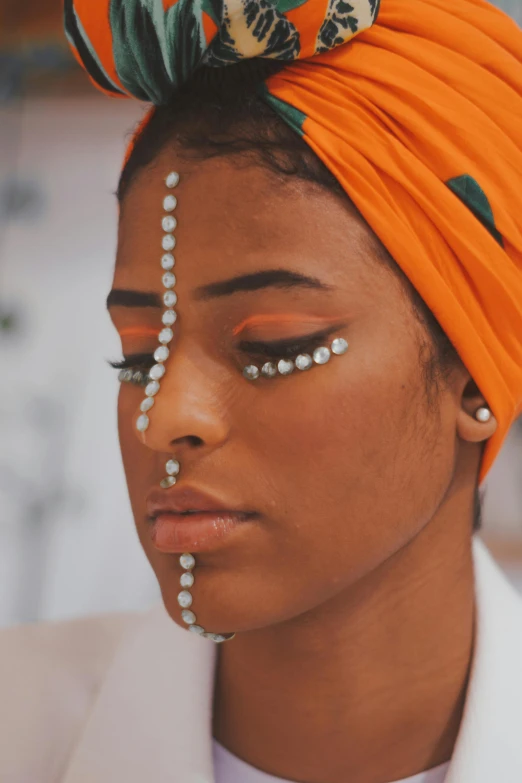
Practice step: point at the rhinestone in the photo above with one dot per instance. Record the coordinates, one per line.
(161, 354)
(147, 404)
(169, 223)
(217, 637)
(167, 261)
(156, 372)
(321, 355)
(172, 179)
(167, 482)
(285, 367)
(269, 370)
(186, 579)
(303, 361)
(125, 375)
(138, 377)
(168, 242)
(251, 372)
(339, 346)
(196, 629)
(187, 561)
(169, 317)
(172, 467)
(166, 335)
(184, 599)
(169, 203)
(142, 423)
(169, 298)
(188, 616)
(152, 388)
(168, 280)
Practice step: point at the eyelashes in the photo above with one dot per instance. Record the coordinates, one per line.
(135, 368)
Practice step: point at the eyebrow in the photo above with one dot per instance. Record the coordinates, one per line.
(269, 278)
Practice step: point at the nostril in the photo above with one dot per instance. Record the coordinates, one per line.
(189, 440)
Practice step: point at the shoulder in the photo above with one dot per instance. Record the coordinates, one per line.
(50, 673)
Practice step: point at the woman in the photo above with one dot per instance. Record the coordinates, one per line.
(308, 405)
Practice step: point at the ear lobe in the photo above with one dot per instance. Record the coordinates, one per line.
(469, 428)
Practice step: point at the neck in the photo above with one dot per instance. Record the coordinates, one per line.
(369, 687)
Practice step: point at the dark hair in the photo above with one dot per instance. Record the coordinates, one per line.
(220, 112)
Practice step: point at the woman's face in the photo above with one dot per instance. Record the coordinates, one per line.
(338, 467)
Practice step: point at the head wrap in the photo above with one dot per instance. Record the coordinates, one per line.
(415, 107)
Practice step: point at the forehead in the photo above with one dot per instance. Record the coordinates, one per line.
(235, 217)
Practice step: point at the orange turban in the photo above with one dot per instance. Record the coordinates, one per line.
(415, 107)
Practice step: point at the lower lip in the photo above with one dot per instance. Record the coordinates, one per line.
(176, 533)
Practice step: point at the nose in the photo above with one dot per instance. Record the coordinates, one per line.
(188, 415)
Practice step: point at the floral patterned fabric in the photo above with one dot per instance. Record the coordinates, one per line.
(414, 105)
(148, 48)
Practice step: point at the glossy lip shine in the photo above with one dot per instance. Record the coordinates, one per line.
(194, 532)
(184, 519)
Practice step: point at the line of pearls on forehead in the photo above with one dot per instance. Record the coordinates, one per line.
(156, 373)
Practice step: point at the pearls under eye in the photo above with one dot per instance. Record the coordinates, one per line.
(302, 362)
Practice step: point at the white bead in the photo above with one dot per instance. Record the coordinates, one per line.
(184, 599)
(169, 317)
(251, 372)
(166, 335)
(161, 354)
(147, 404)
(186, 579)
(216, 637)
(156, 372)
(172, 179)
(169, 223)
(168, 280)
(188, 616)
(322, 355)
(303, 361)
(169, 203)
(197, 629)
(169, 298)
(167, 482)
(152, 388)
(339, 346)
(142, 423)
(483, 415)
(187, 561)
(269, 370)
(167, 261)
(285, 367)
(172, 467)
(168, 242)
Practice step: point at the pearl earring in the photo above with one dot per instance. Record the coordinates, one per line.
(483, 415)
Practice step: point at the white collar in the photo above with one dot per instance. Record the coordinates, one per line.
(152, 719)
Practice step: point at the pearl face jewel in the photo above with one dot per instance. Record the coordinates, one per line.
(156, 372)
(339, 346)
(322, 355)
(168, 280)
(184, 599)
(161, 354)
(172, 179)
(167, 261)
(142, 423)
(167, 482)
(172, 467)
(285, 367)
(168, 242)
(251, 372)
(169, 298)
(303, 362)
(269, 370)
(169, 223)
(147, 404)
(169, 317)
(187, 561)
(170, 203)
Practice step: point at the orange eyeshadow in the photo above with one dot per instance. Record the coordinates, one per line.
(281, 318)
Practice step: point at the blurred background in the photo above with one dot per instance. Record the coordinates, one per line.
(67, 540)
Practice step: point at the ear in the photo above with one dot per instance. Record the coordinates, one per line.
(468, 427)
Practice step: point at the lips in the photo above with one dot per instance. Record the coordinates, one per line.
(188, 520)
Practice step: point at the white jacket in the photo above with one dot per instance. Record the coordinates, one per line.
(126, 698)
